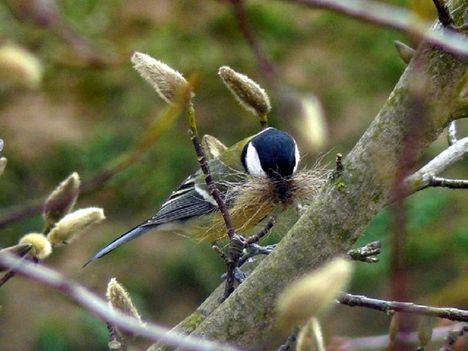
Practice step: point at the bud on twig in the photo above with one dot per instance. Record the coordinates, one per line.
(61, 200)
(119, 299)
(310, 123)
(249, 94)
(425, 327)
(41, 247)
(406, 52)
(212, 146)
(19, 67)
(393, 332)
(74, 224)
(166, 81)
(3, 163)
(314, 294)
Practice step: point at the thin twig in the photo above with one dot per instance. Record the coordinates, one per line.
(232, 258)
(395, 18)
(266, 66)
(448, 183)
(6, 277)
(443, 13)
(380, 341)
(116, 342)
(421, 179)
(257, 237)
(339, 167)
(453, 314)
(290, 341)
(366, 253)
(453, 336)
(100, 308)
(202, 160)
(11, 272)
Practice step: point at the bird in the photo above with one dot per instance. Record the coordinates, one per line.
(255, 177)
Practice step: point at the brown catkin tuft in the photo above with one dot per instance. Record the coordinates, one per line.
(3, 163)
(119, 299)
(18, 67)
(41, 247)
(166, 81)
(74, 224)
(314, 294)
(249, 94)
(62, 199)
(212, 146)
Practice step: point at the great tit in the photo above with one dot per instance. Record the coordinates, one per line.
(261, 165)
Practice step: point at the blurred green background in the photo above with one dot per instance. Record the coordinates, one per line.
(91, 106)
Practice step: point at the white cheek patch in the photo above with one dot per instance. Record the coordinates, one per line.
(252, 161)
(297, 156)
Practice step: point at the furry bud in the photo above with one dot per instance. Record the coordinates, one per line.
(406, 52)
(61, 200)
(313, 294)
(41, 247)
(393, 327)
(119, 299)
(74, 224)
(3, 163)
(166, 81)
(212, 146)
(425, 328)
(310, 123)
(19, 67)
(249, 94)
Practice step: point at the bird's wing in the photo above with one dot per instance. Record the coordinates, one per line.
(189, 200)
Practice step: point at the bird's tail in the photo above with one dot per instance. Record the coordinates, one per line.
(125, 237)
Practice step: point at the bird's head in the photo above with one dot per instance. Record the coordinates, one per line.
(274, 156)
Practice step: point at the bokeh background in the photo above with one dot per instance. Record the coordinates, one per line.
(89, 107)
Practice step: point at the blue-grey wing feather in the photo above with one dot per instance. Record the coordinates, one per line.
(184, 203)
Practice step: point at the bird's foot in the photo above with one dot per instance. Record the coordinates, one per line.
(239, 275)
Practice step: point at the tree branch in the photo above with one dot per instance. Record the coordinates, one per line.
(443, 13)
(453, 314)
(395, 18)
(100, 308)
(265, 65)
(368, 253)
(381, 341)
(448, 183)
(422, 178)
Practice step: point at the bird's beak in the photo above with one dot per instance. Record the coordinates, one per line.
(283, 190)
